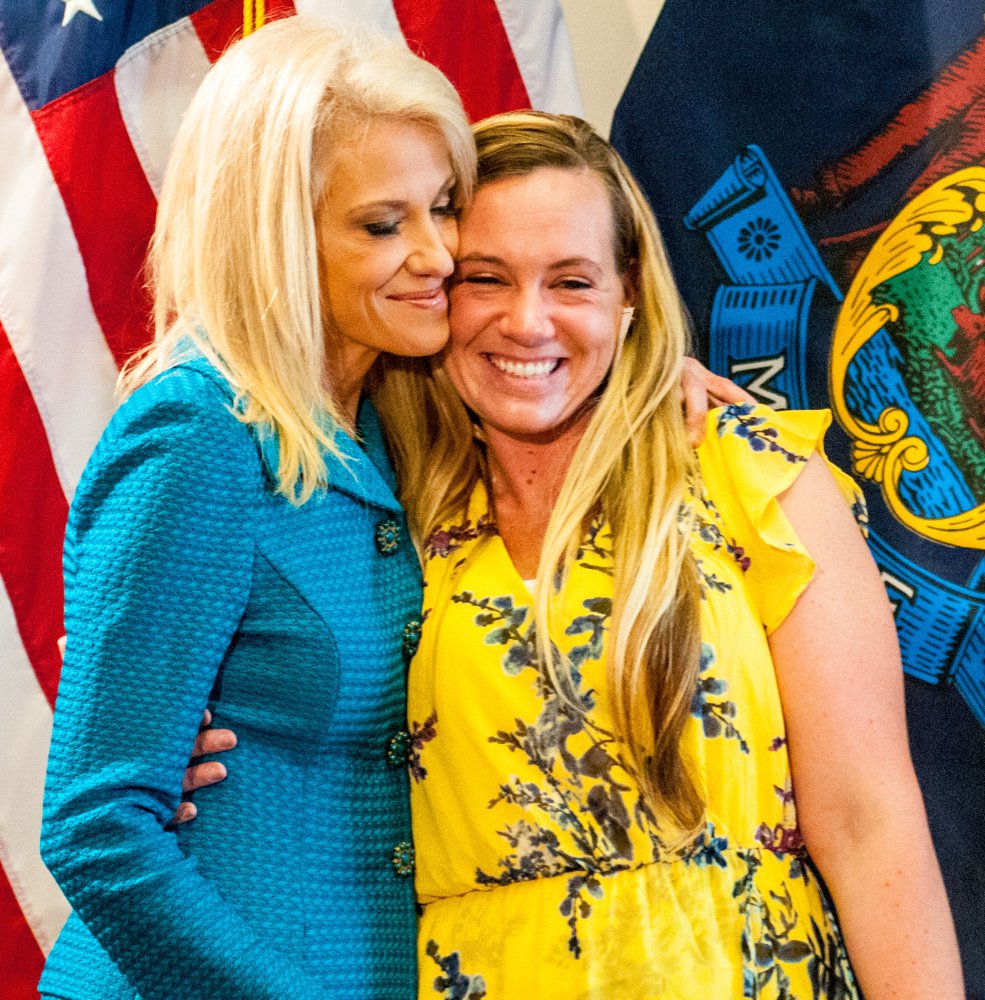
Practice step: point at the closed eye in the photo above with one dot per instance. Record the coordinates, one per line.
(481, 279)
(388, 228)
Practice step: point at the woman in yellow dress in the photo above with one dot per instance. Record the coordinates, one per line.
(656, 731)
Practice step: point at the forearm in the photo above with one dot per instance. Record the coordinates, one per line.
(892, 907)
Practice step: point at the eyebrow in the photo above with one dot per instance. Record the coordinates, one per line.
(576, 262)
(398, 203)
(559, 265)
(372, 206)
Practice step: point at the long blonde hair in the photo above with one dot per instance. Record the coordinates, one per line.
(633, 464)
(233, 261)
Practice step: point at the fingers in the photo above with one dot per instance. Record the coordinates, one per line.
(183, 814)
(213, 741)
(702, 389)
(723, 391)
(719, 390)
(201, 776)
(61, 646)
(695, 400)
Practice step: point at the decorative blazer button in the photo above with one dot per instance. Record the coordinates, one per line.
(411, 639)
(387, 537)
(398, 749)
(403, 859)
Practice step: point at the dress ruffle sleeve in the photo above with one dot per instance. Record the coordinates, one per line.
(750, 457)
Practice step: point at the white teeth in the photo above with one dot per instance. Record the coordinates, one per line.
(525, 369)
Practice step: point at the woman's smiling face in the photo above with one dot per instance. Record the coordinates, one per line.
(536, 301)
(387, 231)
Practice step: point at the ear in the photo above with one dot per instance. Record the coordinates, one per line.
(627, 321)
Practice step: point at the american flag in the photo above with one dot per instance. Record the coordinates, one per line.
(91, 92)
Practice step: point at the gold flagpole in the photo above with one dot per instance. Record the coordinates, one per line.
(253, 15)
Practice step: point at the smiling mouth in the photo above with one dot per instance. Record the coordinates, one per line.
(525, 369)
(424, 300)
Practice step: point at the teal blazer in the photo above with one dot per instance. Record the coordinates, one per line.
(189, 581)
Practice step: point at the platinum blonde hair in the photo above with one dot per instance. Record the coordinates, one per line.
(633, 465)
(234, 258)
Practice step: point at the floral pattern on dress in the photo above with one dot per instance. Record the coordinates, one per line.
(442, 542)
(784, 837)
(453, 984)
(741, 420)
(592, 801)
(707, 849)
(776, 937)
(421, 733)
(707, 523)
(717, 717)
(597, 546)
(558, 837)
(701, 518)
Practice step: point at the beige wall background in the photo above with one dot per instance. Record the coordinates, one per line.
(607, 37)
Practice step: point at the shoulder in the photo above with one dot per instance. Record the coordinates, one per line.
(190, 404)
(757, 453)
(176, 434)
(752, 433)
(189, 392)
(753, 461)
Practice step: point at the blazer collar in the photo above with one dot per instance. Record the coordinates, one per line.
(366, 474)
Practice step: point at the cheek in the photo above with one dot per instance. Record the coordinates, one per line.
(607, 353)
(458, 360)
(452, 360)
(450, 365)
(600, 352)
(359, 275)
(464, 318)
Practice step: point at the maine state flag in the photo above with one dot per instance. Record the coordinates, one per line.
(817, 171)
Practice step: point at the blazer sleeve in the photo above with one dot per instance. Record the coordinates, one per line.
(158, 561)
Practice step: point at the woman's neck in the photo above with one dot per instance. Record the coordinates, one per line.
(347, 365)
(526, 479)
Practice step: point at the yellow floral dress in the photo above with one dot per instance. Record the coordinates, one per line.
(540, 872)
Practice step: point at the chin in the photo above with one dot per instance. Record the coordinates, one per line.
(535, 431)
(429, 347)
(419, 344)
(543, 428)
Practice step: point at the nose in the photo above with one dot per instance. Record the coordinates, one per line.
(526, 319)
(432, 253)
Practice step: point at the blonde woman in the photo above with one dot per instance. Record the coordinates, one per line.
(235, 540)
(656, 713)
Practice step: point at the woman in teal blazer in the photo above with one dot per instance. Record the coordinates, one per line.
(235, 541)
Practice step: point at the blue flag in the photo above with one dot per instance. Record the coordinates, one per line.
(816, 169)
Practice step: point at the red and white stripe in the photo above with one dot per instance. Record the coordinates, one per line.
(77, 200)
